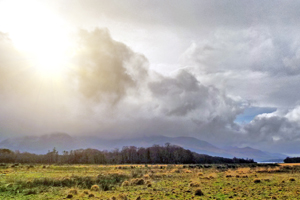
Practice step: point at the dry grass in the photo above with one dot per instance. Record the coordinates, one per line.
(146, 176)
(244, 170)
(73, 191)
(212, 175)
(289, 164)
(164, 183)
(175, 171)
(200, 174)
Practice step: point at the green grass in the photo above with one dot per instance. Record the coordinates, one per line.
(172, 182)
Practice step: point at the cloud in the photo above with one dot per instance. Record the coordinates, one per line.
(184, 95)
(130, 99)
(8, 59)
(292, 63)
(254, 49)
(271, 129)
(106, 68)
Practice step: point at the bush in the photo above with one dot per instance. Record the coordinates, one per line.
(198, 192)
(146, 176)
(91, 195)
(95, 188)
(122, 197)
(73, 191)
(292, 179)
(200, 174)
(256, 180)
(194, 184)
(137, 181)
(125, 183)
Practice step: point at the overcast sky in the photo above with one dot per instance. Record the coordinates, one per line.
(227, 72)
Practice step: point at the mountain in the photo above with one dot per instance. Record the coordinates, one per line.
(63, 141)
(248, 152)
(41, 144)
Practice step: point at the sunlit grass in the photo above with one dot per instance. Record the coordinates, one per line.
(147, 182)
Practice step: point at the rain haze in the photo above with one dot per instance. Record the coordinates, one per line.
(226, 72)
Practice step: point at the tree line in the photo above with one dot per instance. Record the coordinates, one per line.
(167, 154)
(292, 160)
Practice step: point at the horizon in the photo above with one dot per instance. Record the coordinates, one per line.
(225, 73)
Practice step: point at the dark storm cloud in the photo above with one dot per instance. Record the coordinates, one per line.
(184, 94)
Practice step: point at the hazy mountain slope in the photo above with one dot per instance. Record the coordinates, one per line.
(41, 144)
(63, 141)
(258, 155)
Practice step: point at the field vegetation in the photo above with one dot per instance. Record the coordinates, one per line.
(169, 181)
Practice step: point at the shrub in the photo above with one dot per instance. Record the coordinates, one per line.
(85, 192)
(256, 180)
(146, 176)
(122, 197)
(136, 173)
(29, 183)
(29, 192)
(73, 191)
(137, 181)
(9, 185)
(200, 174)
(194, 184)
(125, 183)
(198, 192)
(95, 188)
(91, 195)
(66, 182)
(292, 179)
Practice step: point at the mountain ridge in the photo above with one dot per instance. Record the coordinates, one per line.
(65, 142)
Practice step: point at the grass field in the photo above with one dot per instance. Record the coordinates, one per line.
(147, 182)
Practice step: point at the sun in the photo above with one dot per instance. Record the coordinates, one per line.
(40, 33)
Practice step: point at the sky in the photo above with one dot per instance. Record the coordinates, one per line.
(227, 72)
